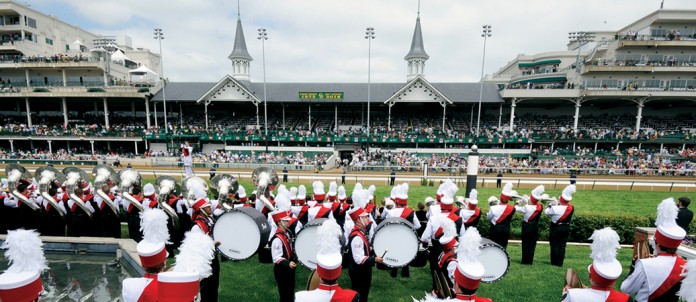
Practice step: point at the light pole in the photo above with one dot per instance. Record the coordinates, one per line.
(263, 36)
(486, 33)
(369, 35)
(580, 37)
(159, 36)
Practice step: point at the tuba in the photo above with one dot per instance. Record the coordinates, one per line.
(186, 185)
(16, 173)
(223, 185)
(48, 177)
(105, 175)
(74, 177)
(165, 185)
(265, 180)
(129, 179)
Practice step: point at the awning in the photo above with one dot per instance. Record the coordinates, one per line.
(540, 63)
(542, 80)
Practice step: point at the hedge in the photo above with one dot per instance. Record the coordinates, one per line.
(582, 226)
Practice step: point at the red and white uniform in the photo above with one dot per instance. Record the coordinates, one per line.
(319, 211)
(531, 211)
(72, 205)
(281, 248)
(325, 293)
(468, 298)
(102, 204)
(595, 294)
(500, 213)
(560, 213)
(47, 206)
(470, 217)
(652, 277)
(150, 202)
(140, 289)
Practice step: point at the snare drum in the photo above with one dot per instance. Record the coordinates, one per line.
(241, 232)
(494, 259)
(306, 244)
(397, 237)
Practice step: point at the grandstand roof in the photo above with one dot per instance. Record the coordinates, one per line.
(352, 92)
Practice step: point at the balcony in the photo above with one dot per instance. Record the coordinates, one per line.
(690, 68)
(540, 93)
(81, 91)
(657, 42)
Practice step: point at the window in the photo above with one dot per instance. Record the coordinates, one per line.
(49, 41)
(31, 23)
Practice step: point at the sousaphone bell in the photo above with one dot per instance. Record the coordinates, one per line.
(50, 177)
(16, 173)
(222, 186)
(129, 179)
(105, 175)
(164, 186)
(74, 177)
(265, 180)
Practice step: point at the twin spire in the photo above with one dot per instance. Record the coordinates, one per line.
(241, 59)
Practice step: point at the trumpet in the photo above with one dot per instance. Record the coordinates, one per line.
(521, 200)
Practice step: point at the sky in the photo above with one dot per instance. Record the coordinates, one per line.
(324, 40)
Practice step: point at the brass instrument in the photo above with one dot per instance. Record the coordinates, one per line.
(104, 174)
(264, 178)
(50, 176)
(16, 173)
(130, 178)
(223, 185)
(165, 185)
(74, 177)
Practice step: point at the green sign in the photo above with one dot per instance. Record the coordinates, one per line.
(320, 95)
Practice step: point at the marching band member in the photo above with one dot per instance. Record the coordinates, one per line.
(446, 206)
(300, 208)
(282, 203)
(530, 224)
(283, 254)
(343, 206)
(371, 206)
(500, 216)
(133, 214)
(241, 198)
(21, 282)
(333, 191)
(55, 223)
(604, 271)
(659, 278)
(187, 158)
(110, 222)
(400, 209)
(561, 214)
(447, 260)
(472, 213)
(431, 239)
(362, 258)
(203, 221)
(79, 223)
(152, 255)
(317, 208)
(149, 196)
(192, 264)
(329, 260)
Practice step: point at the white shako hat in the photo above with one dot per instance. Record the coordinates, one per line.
(318, 190)
(360, 198)
(469, 270)
(342, 194)
(668, 233)
(537, 194)
(506, 193)
(567, 194)
(449, 233)
(329, 255)
(148, 189)
(473, 197)
(605, 269)
(155, 235)
(193, 263)
(21, 282)
(333, 187)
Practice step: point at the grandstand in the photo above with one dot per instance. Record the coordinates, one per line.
(622, 94)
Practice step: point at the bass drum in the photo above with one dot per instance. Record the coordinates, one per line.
(306, 244)
(494, 259)
(241, 232)
(396, 241)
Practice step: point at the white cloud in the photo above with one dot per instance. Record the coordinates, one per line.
(323, 41)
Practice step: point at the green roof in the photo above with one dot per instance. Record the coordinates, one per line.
(540, 63)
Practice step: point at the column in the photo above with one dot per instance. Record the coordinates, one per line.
(133, 108)
(641, 104)
(154, 105)
(206, 115)
(577, 115)
(50, 148)
(65, 77)
(444, 114)
(65, 112)
(500, 117)
(106, 80)
(389, 118)
(26, 101)
(512, 115)
(12, 145)
(136, 147)
(96, 108)
(147, 112)
(336, 117)
(106, 114)
(258, 125)
(27, 78)
(472, 169)
(283, 117)
(92, 144)
(181, 115)
(310, 118)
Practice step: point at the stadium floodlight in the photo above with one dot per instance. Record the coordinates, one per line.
(159, 36)
(263, 36)
(486, 34)
(581, 38)
(369, 35)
